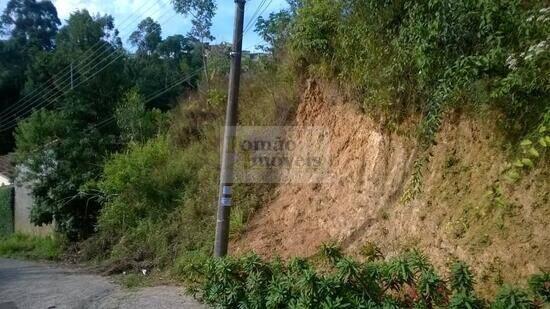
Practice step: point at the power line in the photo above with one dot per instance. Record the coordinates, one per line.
(51, 98)
(255, 15)
(52, 93)
(108, 120)
(68, 69)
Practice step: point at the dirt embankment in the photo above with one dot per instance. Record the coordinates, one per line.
(465, 211)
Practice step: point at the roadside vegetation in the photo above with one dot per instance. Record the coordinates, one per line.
(332, 280)
(32, 247)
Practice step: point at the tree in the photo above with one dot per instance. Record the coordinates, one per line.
(136, 124)
(202, 11)
(63, 149)
(30, 28)
(147, 37)
(31, 22)
(274, 30)
(175, 47)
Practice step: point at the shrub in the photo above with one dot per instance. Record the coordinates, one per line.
(145, 182)
(510, 297)
(462, 279)
(407, 281)
(540, 285)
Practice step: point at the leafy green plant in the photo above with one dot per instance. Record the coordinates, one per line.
(530, 152)
(407, 281)
(540, 285)
(465, 299)
(462, 279)
(510, 297)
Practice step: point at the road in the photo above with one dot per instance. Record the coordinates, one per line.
(38, 285)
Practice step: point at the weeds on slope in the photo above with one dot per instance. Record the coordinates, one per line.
(406, 281)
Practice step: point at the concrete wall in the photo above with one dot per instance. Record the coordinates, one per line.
(4, 181)
(22, 212)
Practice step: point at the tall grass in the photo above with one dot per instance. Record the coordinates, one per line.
(31, 247)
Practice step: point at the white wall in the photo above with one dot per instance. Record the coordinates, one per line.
(4, 181)
(22, 213)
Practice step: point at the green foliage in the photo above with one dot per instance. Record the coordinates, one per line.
(31, 247)
(463, 299)
(426, 56)
(135, 122)
(315, 30)
(407, 281)
(31, 22)
(147, 37)
(462, 279)
(29, 28)
(462, 285)
(6, 211)
(159, 196)
(274, 30)
(532, 150)
(145, 182)
(65, 144)
(540, 285)
(202, 11)
(510, 297)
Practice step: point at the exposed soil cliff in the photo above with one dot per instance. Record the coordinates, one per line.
(465, 211)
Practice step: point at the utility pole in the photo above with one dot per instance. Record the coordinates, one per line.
(228, 150)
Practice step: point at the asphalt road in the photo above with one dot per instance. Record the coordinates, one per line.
(46, 286)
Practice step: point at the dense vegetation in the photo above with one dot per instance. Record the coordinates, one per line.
(77, 79)
(160, 195)
(403, 57)
(336, 281)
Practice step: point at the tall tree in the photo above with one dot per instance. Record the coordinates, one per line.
(147, 37)
(31, 22)
(203, 12)
(274, 30)
(29, 28)
(64, 148)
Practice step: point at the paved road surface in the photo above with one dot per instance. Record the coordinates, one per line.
(42, 286)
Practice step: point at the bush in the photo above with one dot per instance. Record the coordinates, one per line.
(540, 285)
(6, 211)
(31, 247)
(145, 182)
(407, 281)
(421, 55)
(510, 297)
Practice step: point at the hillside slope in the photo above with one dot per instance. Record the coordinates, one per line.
(465, 211)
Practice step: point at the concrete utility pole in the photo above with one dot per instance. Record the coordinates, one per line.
(228, 151)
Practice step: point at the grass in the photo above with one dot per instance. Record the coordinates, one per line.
(31, 247)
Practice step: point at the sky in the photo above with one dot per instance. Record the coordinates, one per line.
(128, 13)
